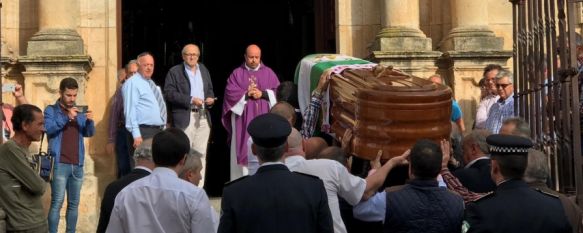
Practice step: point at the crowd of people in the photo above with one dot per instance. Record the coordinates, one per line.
(283, 177)
(22, 188)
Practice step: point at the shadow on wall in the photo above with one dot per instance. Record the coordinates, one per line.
(105, 166)
(469, 108)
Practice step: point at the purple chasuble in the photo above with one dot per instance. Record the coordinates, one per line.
(237, 85)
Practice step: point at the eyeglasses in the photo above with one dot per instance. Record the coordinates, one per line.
(191, 54)
(503, 86)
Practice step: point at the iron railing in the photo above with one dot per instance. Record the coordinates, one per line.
(547, 86)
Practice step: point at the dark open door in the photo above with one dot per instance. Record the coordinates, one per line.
(285, 30)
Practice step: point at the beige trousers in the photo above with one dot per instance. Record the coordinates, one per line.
(198, 132)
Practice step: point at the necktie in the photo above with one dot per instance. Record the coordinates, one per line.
(160, 100)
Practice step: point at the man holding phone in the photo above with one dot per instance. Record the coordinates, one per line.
(66, 126)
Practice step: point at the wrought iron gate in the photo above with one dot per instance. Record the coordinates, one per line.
(546, 77)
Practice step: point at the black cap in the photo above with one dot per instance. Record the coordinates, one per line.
(501, 144)
(269, 130)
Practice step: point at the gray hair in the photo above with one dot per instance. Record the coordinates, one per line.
(193, 162)
(184, 48)
(537, 168)
(478, 137)
(133, 61)
(521, 127)
(144, 150)
(505, 73)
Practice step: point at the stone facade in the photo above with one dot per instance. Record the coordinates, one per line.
(443, 36)
(39, 49)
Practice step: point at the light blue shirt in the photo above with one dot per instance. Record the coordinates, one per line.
(196, 85)
(375, 208)
(456, 111)
(500, 111)
(140, 105)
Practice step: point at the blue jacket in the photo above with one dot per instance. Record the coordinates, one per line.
(55, 121)
(422, 206)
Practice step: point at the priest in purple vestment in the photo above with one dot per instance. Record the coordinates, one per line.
(250, 92)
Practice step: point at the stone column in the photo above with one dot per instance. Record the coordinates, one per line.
(469, 47)
(57, 33)
(470, 28)
(56, 52)
(401, 43)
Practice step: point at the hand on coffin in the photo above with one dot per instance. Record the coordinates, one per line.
(401, 159)
(376, 163)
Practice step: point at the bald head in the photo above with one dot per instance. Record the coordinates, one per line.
(285, 110)
(190, 55)
(294, 140)
(146, 65)
(294, 143)
(189, 47)
(253, 56)
(313, 146)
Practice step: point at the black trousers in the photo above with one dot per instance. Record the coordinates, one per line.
(146, 132)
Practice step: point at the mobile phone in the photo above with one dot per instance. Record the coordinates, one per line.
(8, 87)
(82, 108)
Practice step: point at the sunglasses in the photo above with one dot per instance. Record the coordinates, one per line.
(503, 86)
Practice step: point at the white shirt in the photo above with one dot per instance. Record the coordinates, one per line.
(252, 160)
(196, 84)
(162, 202)
(337, 181)
(484, 109)
(251, 69)
(475, 160)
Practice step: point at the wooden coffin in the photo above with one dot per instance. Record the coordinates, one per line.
(387, 110)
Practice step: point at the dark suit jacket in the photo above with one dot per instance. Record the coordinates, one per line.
(177, 94)
(477, 177)
(275, 200)
(573, 212)
(515, 207)
(111, 192)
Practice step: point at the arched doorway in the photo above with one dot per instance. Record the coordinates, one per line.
(285, 30)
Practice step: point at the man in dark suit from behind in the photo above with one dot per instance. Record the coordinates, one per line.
(514, 206)
(476, 174)
(538, 171)
(274, 199)
(144, 166)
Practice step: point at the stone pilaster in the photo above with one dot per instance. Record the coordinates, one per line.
(401, 43)
(56, 52)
